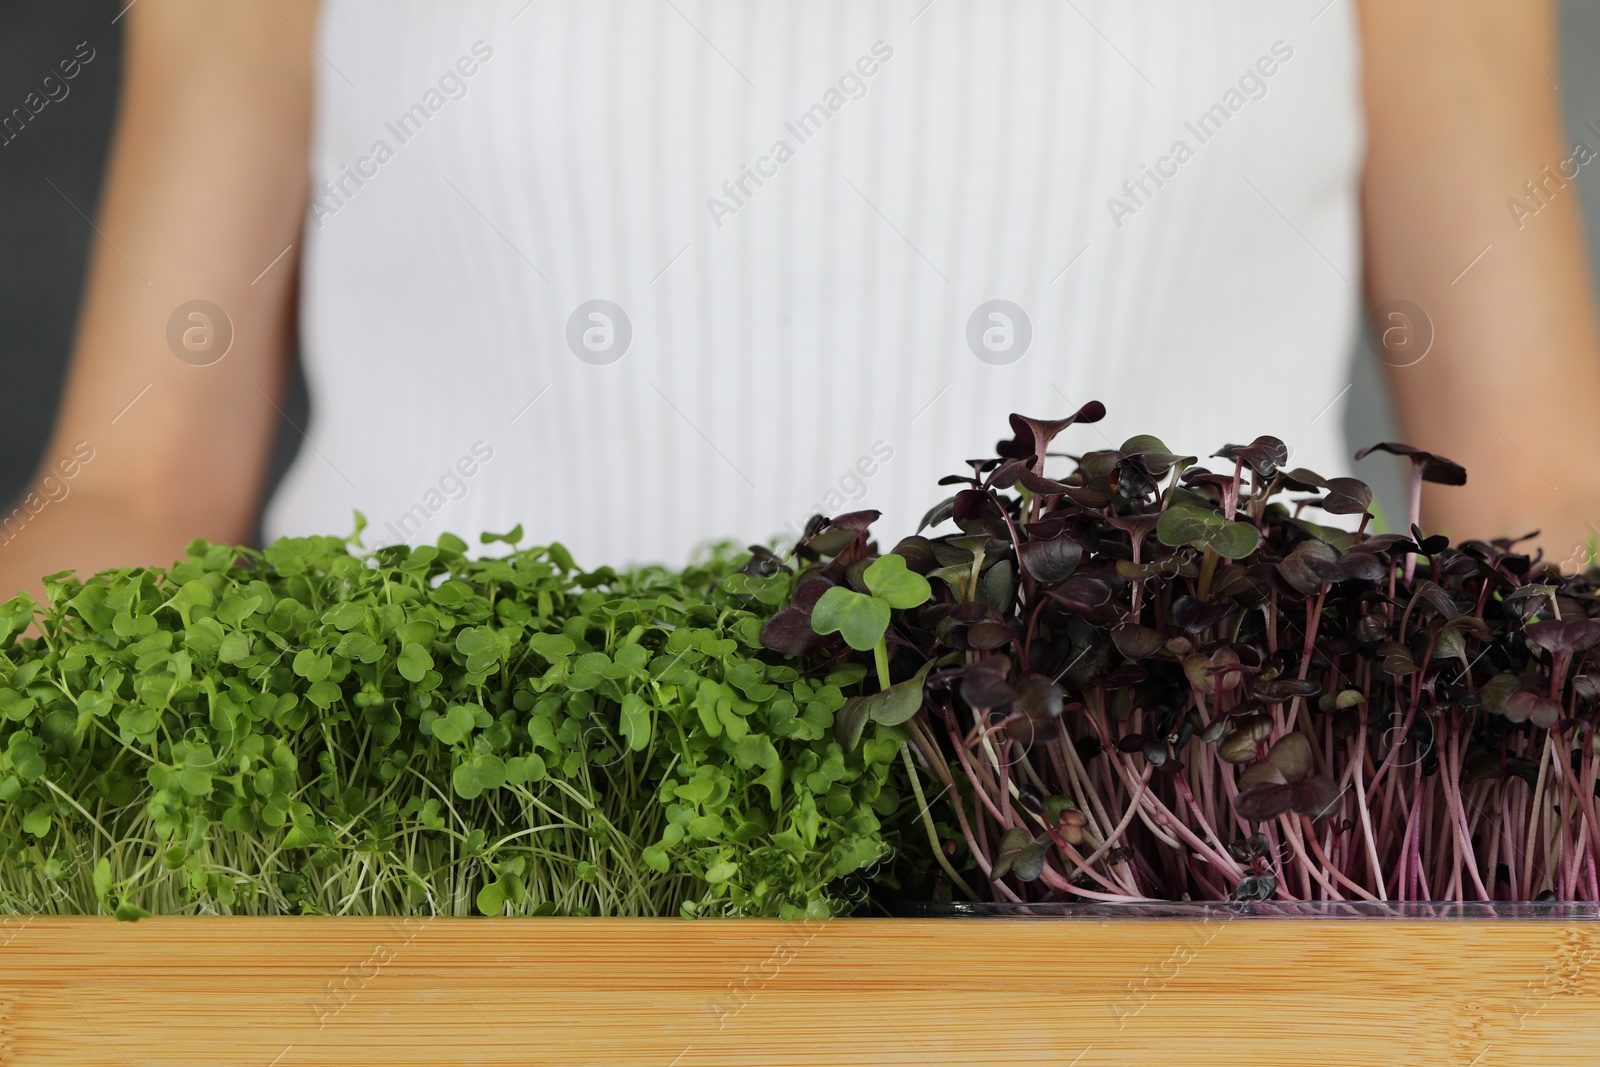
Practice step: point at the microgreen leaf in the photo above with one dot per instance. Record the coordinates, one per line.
(1182, 525)
(899, 702)
(859, 618)
(890, 581)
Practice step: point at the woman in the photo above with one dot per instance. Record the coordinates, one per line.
(640, 274)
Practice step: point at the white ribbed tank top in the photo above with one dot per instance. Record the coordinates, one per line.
(798, 207)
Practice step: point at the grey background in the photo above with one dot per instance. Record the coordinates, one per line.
(44, 240)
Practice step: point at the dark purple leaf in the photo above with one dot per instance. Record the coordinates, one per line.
(1291, 754)
(1125, 676)
(1019, 854)
(949, 555)
(998, 584)
(988, 635)
(1136, 642)
(1131, 743)
(1372, 629)
(1014, 448)
(763, 562)
(1299, 567)
(1526, 769)
(1357, 564)
(1081, 593)
(1051, 562)
(918, 554)
(1386, 543)
(1137, 571)
(1030, 432)
(1347, 496)
(1448, 643)
(1523, 706)
(1045, 529)
(830, 542)
(1088, 496)
(1526, 601)
(1430, 595)
(1194, 616)
(1038, 483)
(1248, 848)
(953, 634)
(1027, 432)
(1151, 455)
(1435, 468)
(1131, 482)
(808, 591)
(974, 611)
(1237, 746)
(1005, 475)
(1302, 479)
(1397, 658)
(1316, 796)
(790, 632)
(1429, 546)
(858, 521)
(1264, 455)
(1496, 691)
(1137, 527)
(1039, 698)
(977, 513)
(1202, 477)
(1564, 637)
(983, 688)
(1242, 584)
(1286, 688)
(1262, 802)
(938, 513)
(1261, 772)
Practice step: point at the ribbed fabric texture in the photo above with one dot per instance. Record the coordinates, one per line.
(806, 343)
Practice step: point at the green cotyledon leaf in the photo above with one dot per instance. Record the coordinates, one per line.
(896, 585)
(860, 619)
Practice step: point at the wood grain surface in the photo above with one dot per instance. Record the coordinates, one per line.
(670, 993)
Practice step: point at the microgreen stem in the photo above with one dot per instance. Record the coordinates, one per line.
(1415, 513)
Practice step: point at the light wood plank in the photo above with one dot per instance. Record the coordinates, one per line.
(669, 993)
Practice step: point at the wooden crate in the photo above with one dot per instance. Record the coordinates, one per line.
(670, 993)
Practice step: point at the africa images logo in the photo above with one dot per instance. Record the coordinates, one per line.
(1251, 85)
(852, 85)
(335, 193)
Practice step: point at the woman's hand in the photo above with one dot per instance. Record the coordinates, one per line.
(1463, 112)
(205, 188)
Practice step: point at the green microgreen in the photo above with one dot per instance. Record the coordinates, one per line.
(310, 729)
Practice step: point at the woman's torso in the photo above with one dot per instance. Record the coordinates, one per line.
(803, 339)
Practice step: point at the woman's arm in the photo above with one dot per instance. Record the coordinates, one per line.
(206, 184)
(1461, 113)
